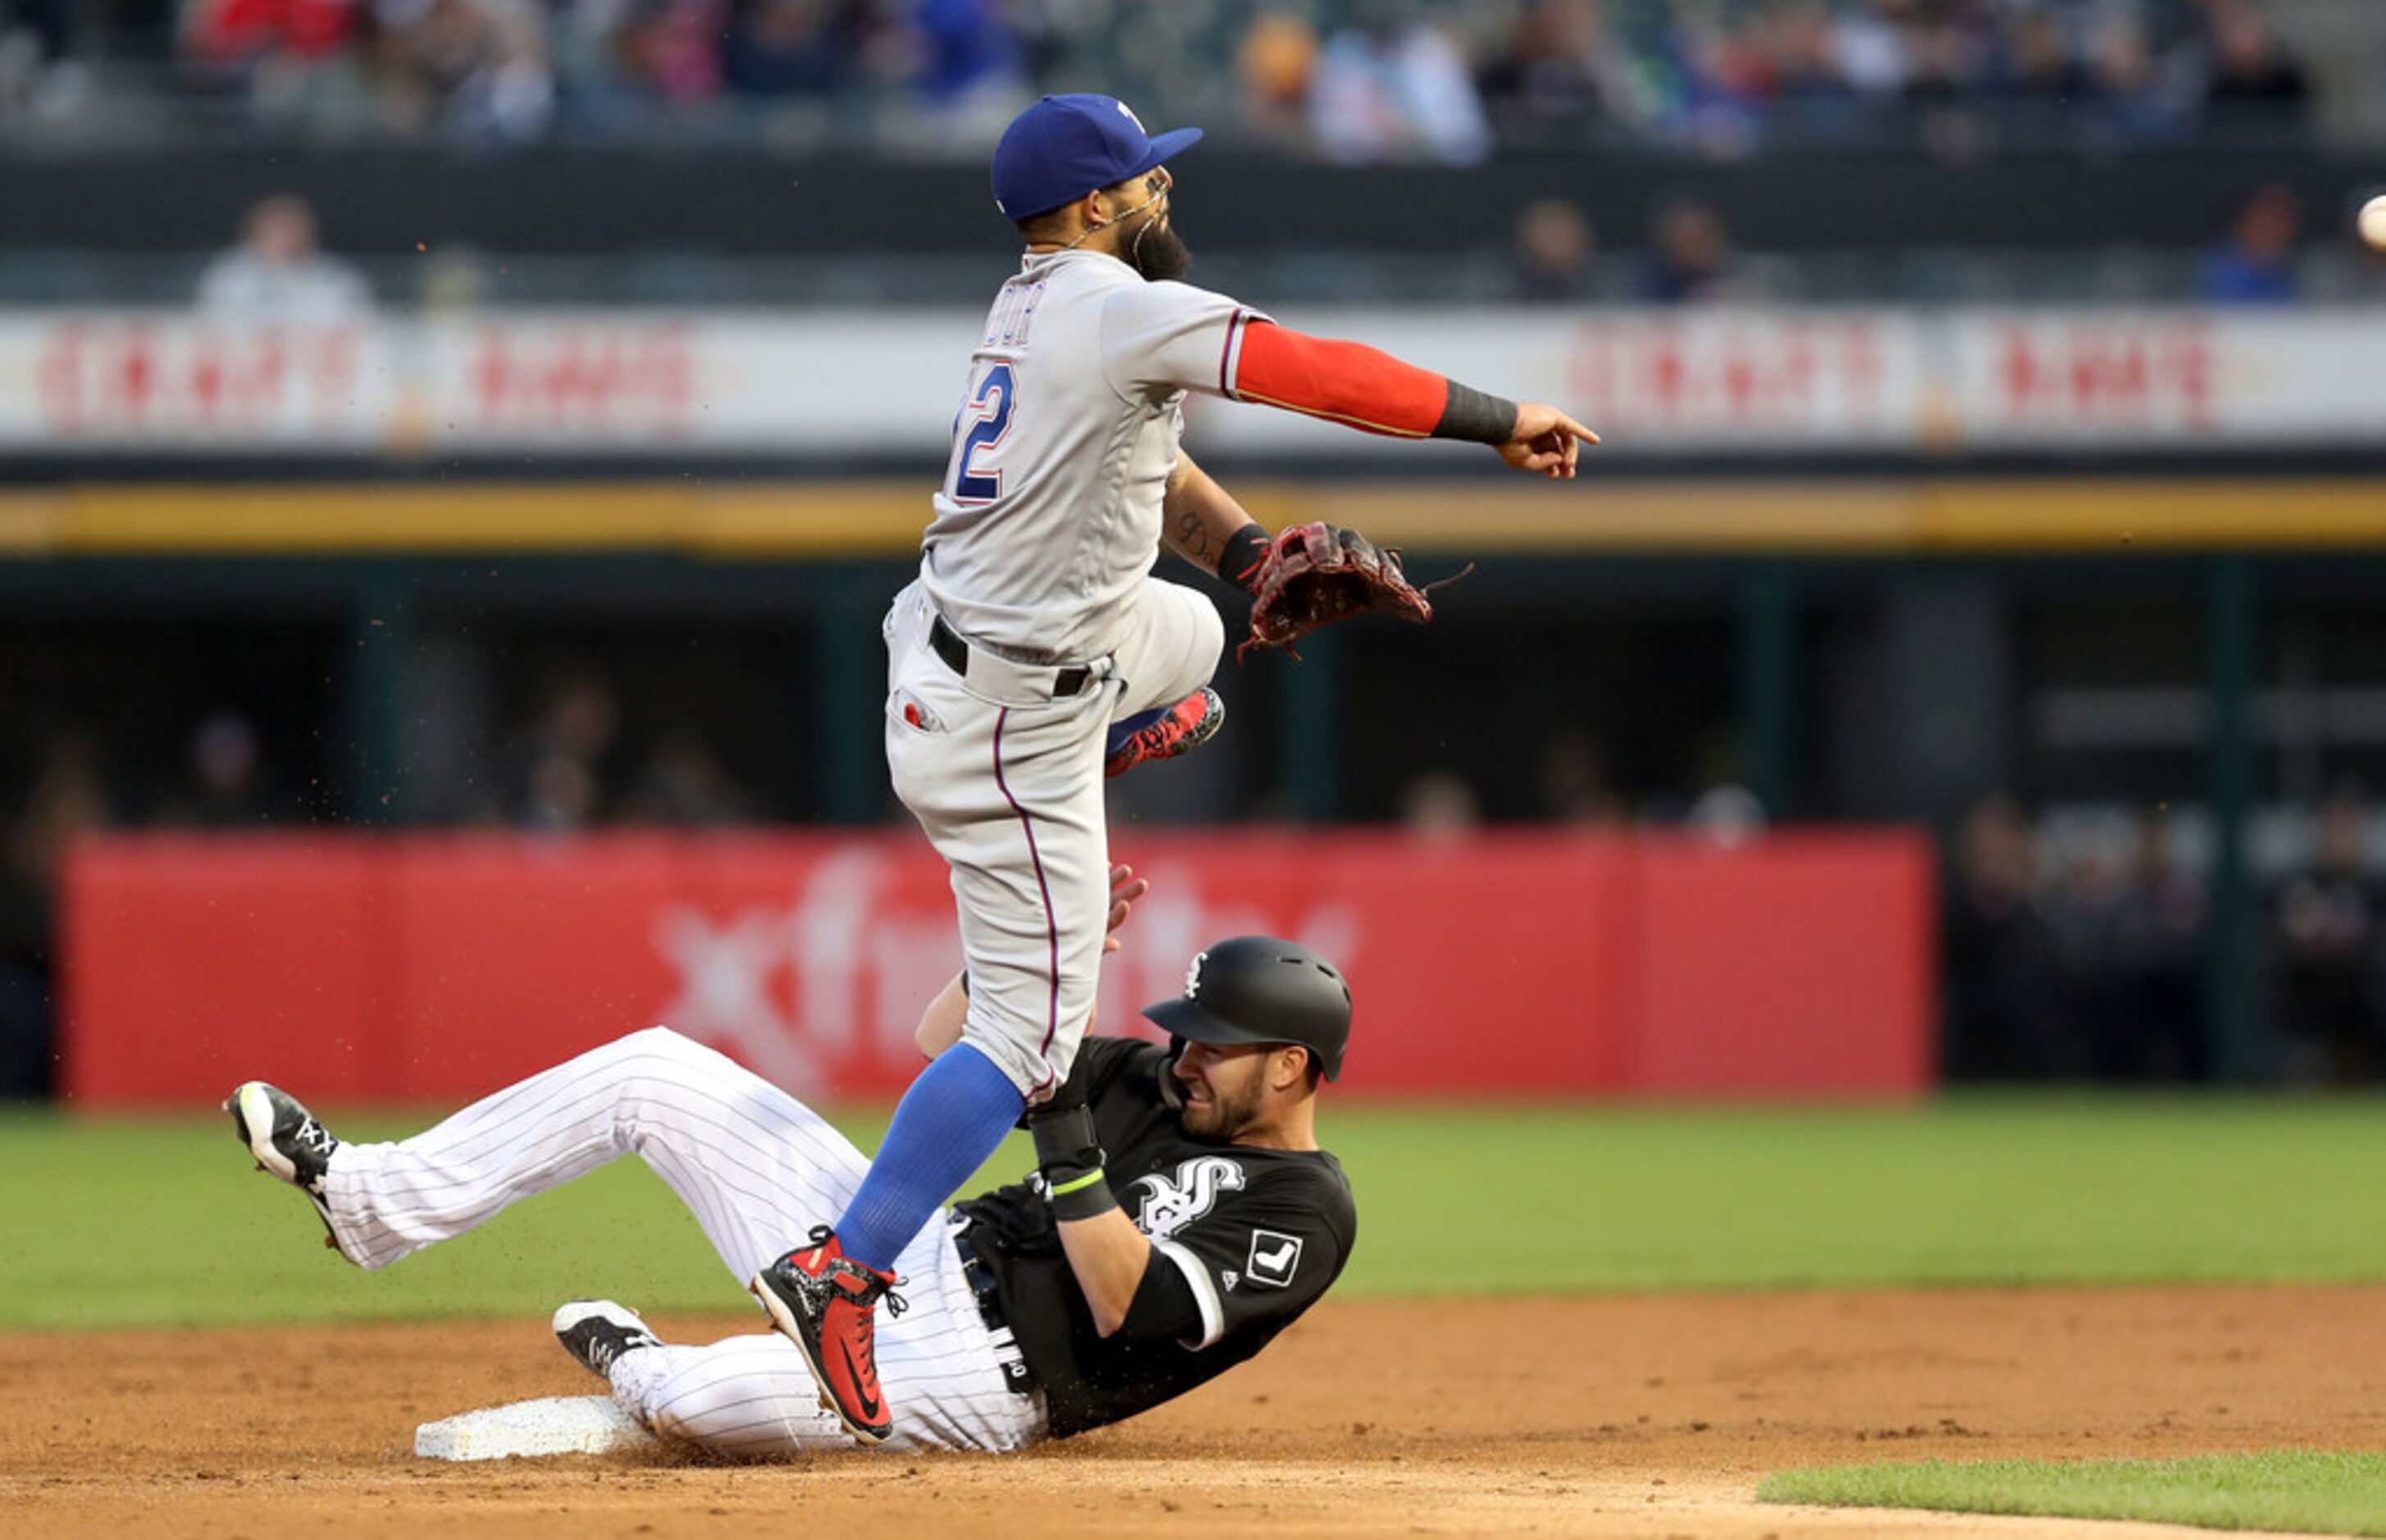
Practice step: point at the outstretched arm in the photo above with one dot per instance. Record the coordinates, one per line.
(1368, 389)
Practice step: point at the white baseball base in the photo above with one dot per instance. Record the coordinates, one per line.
(551, 1425)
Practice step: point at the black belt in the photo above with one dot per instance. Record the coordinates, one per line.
(949, 645)
(989, 1306)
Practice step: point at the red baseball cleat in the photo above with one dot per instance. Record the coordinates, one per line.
(826, 1304)
(1164, 735)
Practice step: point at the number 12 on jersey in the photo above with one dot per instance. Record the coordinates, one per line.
(977, 430)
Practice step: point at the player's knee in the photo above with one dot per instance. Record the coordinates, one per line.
(1025, 1068)
(1209, 639)
(662, 1040)
(663, 1046)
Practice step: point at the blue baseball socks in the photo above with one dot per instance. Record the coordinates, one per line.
(951, 1119)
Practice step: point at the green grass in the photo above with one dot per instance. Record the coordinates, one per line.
(1964, 1190)
(126, 1221)
(2305, 1491)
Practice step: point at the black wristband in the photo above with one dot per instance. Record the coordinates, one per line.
(1070, 1157)
(1087, 1197)
(1471, 415)
(1066, 1148)
(1245, 549)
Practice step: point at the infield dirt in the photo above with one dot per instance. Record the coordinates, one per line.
(1602, 1415)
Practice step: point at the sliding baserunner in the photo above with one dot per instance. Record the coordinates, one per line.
(1182, 1214)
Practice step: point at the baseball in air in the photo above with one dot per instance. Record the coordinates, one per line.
(2371, 222)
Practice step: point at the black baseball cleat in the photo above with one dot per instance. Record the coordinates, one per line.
(286, 1140)
(826, 1304)
(1164, 733)
(597, 1331)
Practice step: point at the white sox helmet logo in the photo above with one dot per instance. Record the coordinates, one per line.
(1193, 976)
(1169, 1206)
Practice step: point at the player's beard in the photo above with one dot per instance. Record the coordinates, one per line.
(1227, 1114)
(1159, 253)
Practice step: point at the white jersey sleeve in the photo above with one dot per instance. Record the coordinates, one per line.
(1159, 339)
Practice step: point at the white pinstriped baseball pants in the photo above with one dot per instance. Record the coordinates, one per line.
(755, 1166)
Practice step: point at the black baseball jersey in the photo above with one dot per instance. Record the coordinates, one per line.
(1243, 1240)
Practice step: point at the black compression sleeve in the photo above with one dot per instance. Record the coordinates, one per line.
(1470, 414)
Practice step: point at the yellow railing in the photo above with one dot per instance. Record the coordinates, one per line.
(761, 521)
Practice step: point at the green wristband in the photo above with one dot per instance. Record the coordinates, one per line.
(1083, 1197)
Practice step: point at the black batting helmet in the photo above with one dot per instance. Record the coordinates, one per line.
(1259, 989)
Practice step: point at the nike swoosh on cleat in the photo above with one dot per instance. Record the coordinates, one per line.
(868, 1402)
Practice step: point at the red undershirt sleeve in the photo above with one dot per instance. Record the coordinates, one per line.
(1360, 386)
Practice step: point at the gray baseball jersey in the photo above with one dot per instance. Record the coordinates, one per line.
(1050, 511)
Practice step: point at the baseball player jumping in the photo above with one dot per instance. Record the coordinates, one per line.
(1037, 1310)
(1035, 653)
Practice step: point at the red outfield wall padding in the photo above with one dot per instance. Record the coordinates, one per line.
(441, 966)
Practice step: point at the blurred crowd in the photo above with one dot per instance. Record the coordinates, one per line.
(2079, 953)
(2257, 256)
(1964, 76)
(2064, 964)
(1571, 785)
(1353, 81)
(277, 271)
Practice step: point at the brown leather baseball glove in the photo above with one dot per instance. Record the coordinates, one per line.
(1315, 574)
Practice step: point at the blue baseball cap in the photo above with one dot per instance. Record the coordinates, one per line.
(1065, 147)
